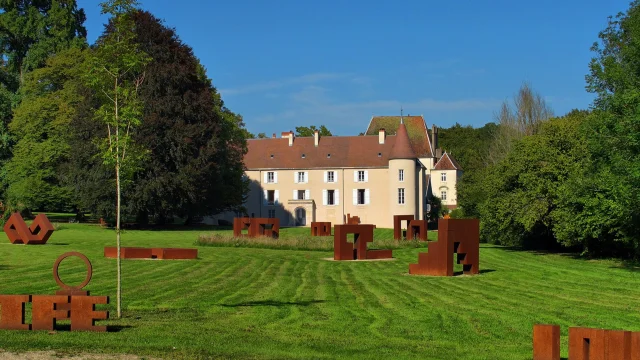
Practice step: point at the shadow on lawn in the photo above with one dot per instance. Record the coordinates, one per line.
(273, 303)
(482, 271)
(110, 328)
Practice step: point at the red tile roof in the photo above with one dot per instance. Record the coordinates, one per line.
(402, 148)
(416, 129)
(346, 151)
(447, 162)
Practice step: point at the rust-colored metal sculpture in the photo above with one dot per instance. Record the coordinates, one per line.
(320, 228)
(255, 227)
(151, 253)
(353, 220)
(546, 342)
(19, 233)
(397, 226)
(71, 302)
(586, 343)
(362, 234)
(455, 236)
(417, 230)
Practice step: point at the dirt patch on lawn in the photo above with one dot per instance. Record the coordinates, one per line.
(52, 355)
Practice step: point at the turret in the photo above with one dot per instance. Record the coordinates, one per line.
(402, 175)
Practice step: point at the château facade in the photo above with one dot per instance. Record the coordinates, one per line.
(390, 170)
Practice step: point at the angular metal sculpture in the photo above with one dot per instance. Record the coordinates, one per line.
(417, 230)
(151, 253)
(320, 228)
(546, 342)
(353, 220)
(71, 302)
(19, 233)
(362, 234)
(397, 226)
(269, 227)
(455, 236)
(586, 343)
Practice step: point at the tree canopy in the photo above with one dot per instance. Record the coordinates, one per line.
(310, 130)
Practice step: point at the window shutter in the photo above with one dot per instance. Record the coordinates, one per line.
(295, 177)
(275, 177)
(366, 176)
(295, 194)
(336, 197)
(324, 195)
(265, 176)
(306, 176)
(325, 176)
(355, 196)
(366, 197)
(266, 198)
(355, 175)
(276, 197)
(307, 194)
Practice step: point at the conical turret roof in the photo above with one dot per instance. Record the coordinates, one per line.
(402, 147)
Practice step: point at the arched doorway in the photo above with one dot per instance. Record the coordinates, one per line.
(301, 216)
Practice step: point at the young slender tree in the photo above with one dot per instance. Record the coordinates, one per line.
(115, 72)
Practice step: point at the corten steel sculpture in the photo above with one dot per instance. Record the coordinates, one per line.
(353, 220)
(586, 343)
(240, 224)
(417, 230)
(19, 233)
(320, 228)
(455, 236)
(397, 225)
(546, 342)
(69, 303)
(151, 253)
(362, 234)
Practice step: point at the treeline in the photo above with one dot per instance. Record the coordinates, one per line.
(185, 147)
(572, 182)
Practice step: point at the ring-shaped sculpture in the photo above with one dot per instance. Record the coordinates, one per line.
(82, 257)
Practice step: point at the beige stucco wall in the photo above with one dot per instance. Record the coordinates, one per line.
(437, 185)
(409, 185)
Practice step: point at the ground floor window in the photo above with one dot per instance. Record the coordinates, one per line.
(272, 213)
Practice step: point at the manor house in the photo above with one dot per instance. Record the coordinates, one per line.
(390, 170)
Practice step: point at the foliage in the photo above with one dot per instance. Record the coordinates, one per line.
(436, 210)
(469, 145)
(310, 131)
(41, 128)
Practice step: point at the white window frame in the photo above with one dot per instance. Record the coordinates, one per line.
(400, 196)
(356, 197)
(443, 195)
(330, 176)
(401, 175)
(443, 177)
(325, 197)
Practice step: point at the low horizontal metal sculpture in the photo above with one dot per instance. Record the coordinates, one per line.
(362, 234)
(19, 233)
(320, 228)
(71, 302)
(417, 230)
(455, 236)
(586, 343)
(397, 226)
(151, 253)
(255, 227)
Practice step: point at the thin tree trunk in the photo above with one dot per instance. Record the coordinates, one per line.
(118, 262)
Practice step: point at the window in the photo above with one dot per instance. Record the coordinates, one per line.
(443, 195)
(271, 197)
(361, 176)
(301, 194)
(401, 196)
(443, 177)
(272, 213)
(331, 197)
(401, 175)
(361, 197)
(330, 176)
(301, 177)
(271, 177)
(304, 156)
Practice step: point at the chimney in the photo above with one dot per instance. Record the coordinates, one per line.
(274, 135)
(434, 137)
(381, 136)
(316, 138)
(288, 134)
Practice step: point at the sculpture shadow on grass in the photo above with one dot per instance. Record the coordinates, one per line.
(273, 303)
(481, 271)
(110, 328)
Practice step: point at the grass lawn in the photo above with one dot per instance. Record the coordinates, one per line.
(274, 304)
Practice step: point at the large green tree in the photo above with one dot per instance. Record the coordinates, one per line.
(115, 71)
(310, 130)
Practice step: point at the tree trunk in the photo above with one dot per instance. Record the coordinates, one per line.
(118, 262)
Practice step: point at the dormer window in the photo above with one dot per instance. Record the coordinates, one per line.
(272, 156)
(328, 156)
(379, 154)
(304, 156)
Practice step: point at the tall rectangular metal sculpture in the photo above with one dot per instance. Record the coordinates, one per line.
(397, 225)
(362, 234)
(320, 228)
(417, 230)
(455, 236)
(546, 342)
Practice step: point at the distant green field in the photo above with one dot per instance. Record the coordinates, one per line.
(286, 304)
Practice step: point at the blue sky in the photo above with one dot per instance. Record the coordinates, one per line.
(287, 63)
